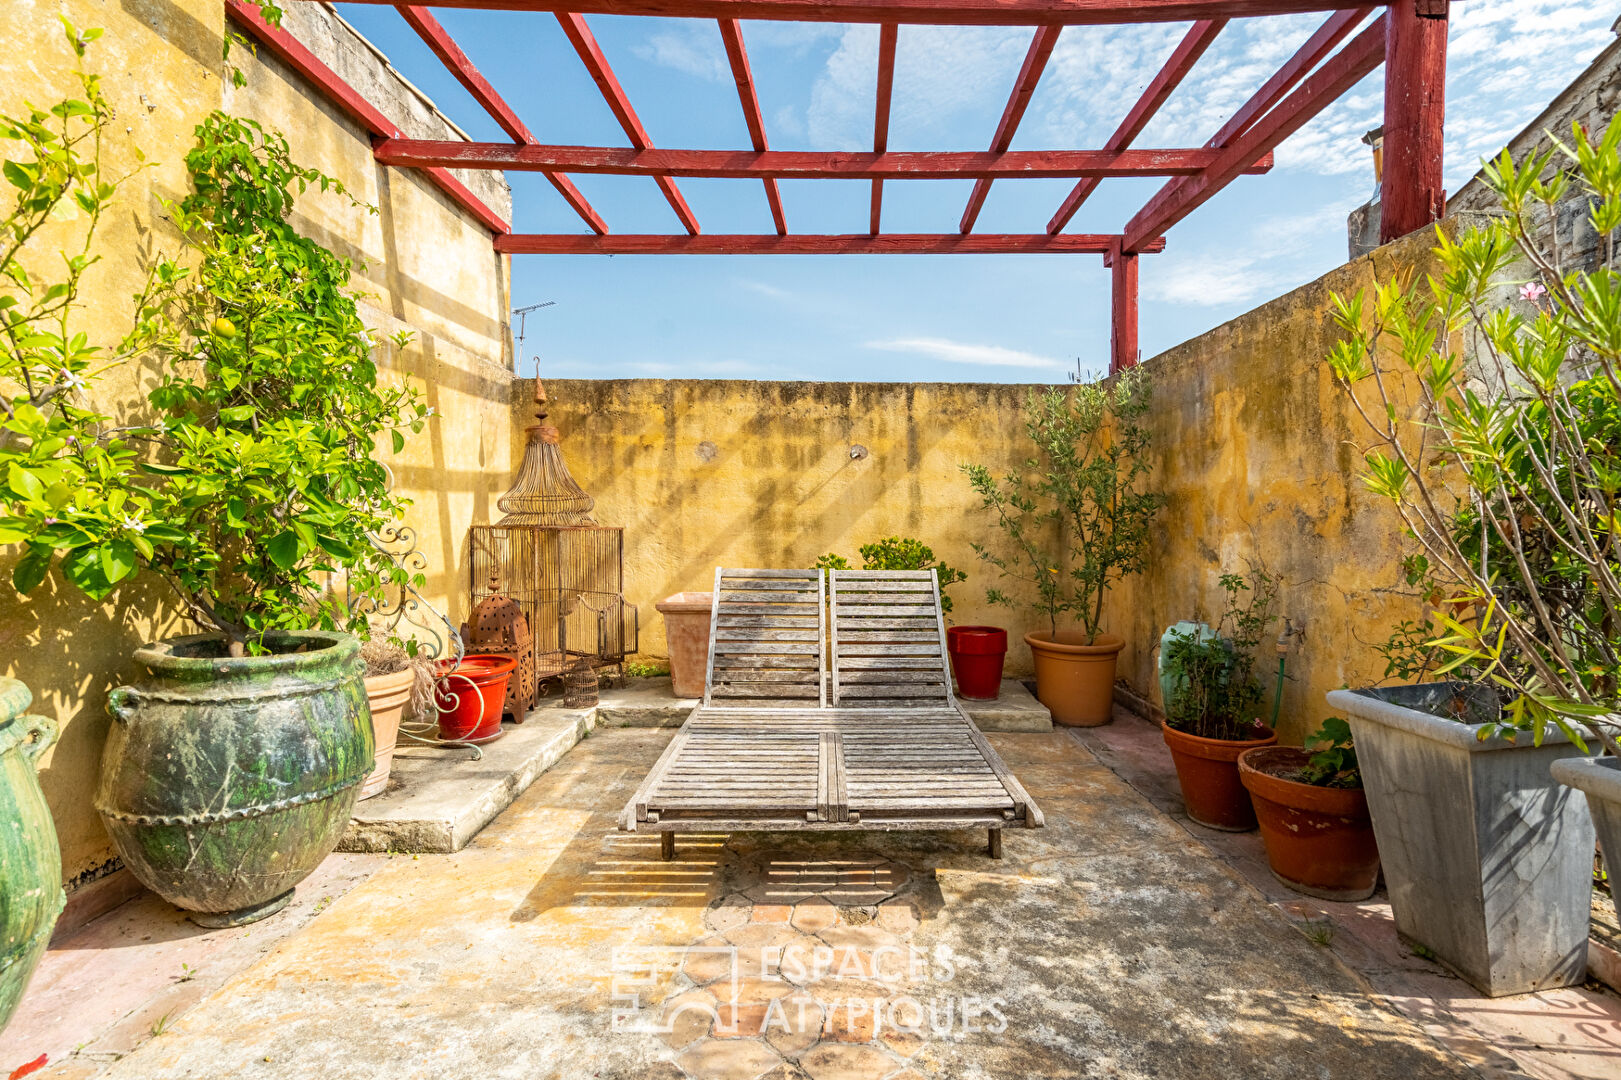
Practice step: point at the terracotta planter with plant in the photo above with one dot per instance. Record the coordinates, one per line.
(1313, 814)
(1085, 486)
(232, 767)
(1212, 701)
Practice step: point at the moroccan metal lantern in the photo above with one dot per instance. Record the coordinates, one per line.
(565, 571)
(500, 628)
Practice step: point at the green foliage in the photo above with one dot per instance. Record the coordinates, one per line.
(1334, 762)
(1086, 486)
(258, 484)
(646, 669)
(61, 462)
(1217, 688)
(1496, 423)
(898, 553)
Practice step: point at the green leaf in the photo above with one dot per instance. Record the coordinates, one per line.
(31, 568)
(117, 560)
(399, 441)
(283, 549)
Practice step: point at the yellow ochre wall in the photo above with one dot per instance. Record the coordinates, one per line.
(1253, 446)
(429, 269)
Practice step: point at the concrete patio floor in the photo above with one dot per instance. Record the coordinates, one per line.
(1111, 943)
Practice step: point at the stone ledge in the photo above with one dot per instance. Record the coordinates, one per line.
(437, 800)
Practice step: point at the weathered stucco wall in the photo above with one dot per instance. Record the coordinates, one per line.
(1254, 447)
(428, 268)
(729, 473)
(1257, 451)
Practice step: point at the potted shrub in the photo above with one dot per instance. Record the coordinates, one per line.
(232, 767)
(1313, 814)
(1492, 393)
(976, 652)
(1078, 518)
(1212, 697)
(31, 894)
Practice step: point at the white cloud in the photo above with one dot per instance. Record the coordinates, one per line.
(763, 289)
(688, 48)
(957, 352)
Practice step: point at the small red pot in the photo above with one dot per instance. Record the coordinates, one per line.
(977, 653)
(472, 696)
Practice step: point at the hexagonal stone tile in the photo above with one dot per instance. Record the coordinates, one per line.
(771, 913)
(863, 937)
(898, 916)
(794, 1024)
(812, 916)
(789, 1071)
(686, 1018)
(709, 959)
(728, 912)
(840, 1061)
(761, 935)
(904, 1043)
(728, 1059)
(743, 1006)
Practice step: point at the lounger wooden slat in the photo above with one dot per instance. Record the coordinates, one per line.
(776, 746)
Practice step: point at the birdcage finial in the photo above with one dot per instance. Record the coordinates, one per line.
(544, 493)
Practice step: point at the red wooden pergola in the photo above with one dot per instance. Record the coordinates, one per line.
(1408, 36)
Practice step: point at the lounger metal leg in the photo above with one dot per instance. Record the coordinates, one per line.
(667, 846)
(996, 843)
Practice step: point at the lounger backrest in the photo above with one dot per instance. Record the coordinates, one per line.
(889, 640)
(766, 629)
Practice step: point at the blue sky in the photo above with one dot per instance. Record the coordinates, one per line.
(999, 318)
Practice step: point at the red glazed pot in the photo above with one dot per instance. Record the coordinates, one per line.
(977, 653)
(471, 697)
(1207, 769)
(1319, 840)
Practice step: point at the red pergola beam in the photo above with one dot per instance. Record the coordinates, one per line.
(888, 34)
(450, 54)
(585, 43)
(803, 244)
(805, 164)
(920, 12)
(348, 100)
(1411, 195)
(1122, 308)
(1316, 92)
(1186, 54)
(1035, 62)
(731, 33)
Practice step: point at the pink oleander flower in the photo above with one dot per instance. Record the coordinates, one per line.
(1532, 291)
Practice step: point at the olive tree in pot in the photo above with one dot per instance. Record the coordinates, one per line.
(1494, 404)
(1212, 699)
(232, 767)
(1078, 518)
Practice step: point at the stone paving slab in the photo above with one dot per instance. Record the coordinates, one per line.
(1093, 949)
(438, 799)
(651, 703)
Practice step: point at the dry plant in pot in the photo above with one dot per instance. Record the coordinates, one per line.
(1212, 699)
(1077, 516)
(399, 682)
(1313, 814)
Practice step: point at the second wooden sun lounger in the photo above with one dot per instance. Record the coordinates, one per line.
(775, 747)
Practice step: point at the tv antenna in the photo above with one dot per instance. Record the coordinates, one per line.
(523, 316)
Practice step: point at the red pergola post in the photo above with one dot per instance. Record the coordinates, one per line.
(1411, 196)
(1122, 307)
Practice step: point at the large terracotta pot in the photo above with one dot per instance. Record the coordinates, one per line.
(30, 862)
(1207, 769)
(1074, 679)
(386, 696)
(686, 634)
(1319, 840)
(226, 780)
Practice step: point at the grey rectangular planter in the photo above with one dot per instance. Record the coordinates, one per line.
(1600, 780)
(1488, 860)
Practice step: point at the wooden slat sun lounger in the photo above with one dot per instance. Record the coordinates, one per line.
(775, 747)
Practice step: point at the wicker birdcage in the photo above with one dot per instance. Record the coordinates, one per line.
(565, 571)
